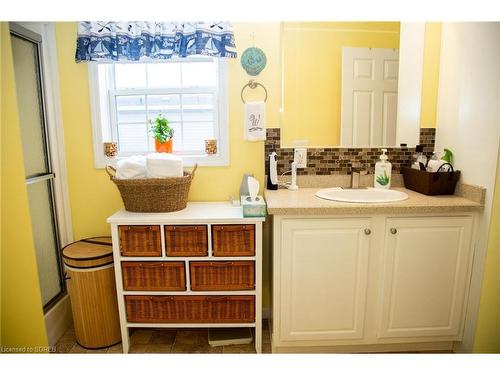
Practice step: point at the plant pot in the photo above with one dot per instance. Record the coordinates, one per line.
(164, 146)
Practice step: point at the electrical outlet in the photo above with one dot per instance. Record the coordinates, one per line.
(300, 157)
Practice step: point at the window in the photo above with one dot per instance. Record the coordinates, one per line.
(190, 93)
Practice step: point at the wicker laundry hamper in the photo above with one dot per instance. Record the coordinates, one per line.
(90, 279)
(153, 194)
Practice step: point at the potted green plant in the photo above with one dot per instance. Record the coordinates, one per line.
(162, 133)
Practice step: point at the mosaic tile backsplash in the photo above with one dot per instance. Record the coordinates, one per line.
(327, 161)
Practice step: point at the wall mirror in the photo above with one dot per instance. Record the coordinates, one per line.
(352, 84)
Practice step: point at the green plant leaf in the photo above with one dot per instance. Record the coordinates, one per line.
(161, 129)
(448, 155)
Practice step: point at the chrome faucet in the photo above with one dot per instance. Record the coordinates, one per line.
(355, 175)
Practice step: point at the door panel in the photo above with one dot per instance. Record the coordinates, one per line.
(323, 279)
(362, 117)
(369, 96)
(389, 121)
(26, 57)
(426, 264)
(40, 202)
(27, 52)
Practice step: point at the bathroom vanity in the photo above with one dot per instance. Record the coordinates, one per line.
(198, 267)
(364, 277)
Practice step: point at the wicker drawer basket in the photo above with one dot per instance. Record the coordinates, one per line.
(190, 309)
(186, 240)
(233, 240)
(222, 275)
(153, 276)
(140, 240)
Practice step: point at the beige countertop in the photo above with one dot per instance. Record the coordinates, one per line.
(304, 202)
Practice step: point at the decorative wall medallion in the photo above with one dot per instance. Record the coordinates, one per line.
(253, 60)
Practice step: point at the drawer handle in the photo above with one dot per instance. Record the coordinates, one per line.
(186, 229)
(368, 231)
(234, 229)
(141, 229)
(216, 299)
(221, 264)
(394, 230)
(161, 298)
(153, 265)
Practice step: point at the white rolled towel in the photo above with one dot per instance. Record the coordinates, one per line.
(131, 167)
(162, 165)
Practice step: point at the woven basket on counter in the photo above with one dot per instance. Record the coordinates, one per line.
(153, 194)
(430, 183)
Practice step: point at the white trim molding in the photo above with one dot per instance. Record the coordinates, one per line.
(54, 126)
(58, 319)
(104, 127)
(411, 64)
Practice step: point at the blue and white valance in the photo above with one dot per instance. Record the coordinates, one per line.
(141, 40)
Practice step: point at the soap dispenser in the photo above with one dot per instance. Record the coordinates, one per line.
(383, 170)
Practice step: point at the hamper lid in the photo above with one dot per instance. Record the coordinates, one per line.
(89, 252)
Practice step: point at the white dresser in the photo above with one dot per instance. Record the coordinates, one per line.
(199, 267)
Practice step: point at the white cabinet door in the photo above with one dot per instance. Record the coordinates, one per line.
(426, 263)
(323, 278)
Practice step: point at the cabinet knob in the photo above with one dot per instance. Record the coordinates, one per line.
(368, 231)
(394, 230)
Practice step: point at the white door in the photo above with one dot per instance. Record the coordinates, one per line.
(369, 96)
(324, 267)
(426, 263)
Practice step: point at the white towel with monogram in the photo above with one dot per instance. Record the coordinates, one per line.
(255, 121)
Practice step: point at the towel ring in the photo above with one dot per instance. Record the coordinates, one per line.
(253, 84)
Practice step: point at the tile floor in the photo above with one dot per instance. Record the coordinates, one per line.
(166, 341)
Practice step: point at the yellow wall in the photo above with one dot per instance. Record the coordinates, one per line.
(430, 79)
(94, 197)
(487, 339)
(312, 61)
(22, 323)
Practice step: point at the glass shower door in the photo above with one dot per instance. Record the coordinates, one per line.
(26, 51)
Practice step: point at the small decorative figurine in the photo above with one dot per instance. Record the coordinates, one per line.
(211, 146)
(110, 149)
(253, 60)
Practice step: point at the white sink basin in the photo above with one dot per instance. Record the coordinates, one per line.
(369, 195)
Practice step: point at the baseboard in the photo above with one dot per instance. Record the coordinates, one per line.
(422, 347)
(58, 319)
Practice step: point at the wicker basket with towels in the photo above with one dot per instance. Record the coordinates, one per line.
(153, 194)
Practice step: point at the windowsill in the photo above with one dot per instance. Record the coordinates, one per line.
(187, 160)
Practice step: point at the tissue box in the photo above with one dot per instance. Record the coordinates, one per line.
(255, 208)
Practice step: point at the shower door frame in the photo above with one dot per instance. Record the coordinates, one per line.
(54, 141)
